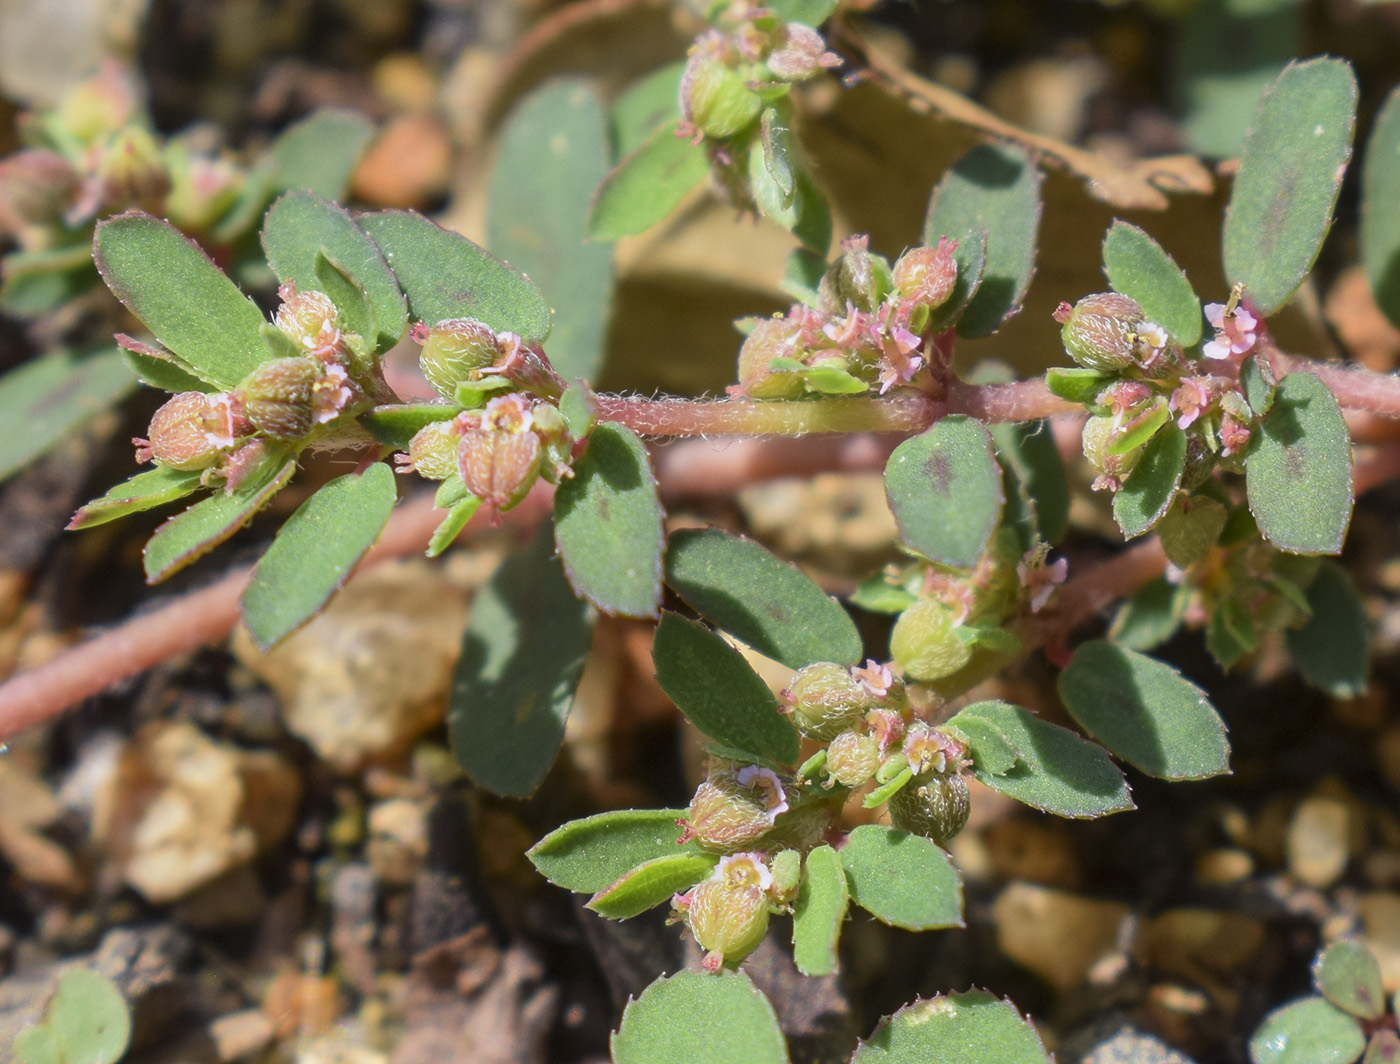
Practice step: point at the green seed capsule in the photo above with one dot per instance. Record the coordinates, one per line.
(1100, 331)
(826, 700)
(935, 807)
(923, 642)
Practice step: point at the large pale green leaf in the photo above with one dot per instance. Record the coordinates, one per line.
(552, 156)
(1311, 1031)
(1333, 648)
(1139, 268)
(770, 604)
(144, 491)
(808, 12)
(1147, 494)
(589, 855)
(49, 397)
(719, 692)
(86, 1021)
(1057, 771)
(970, 1028)
(607, 524)
(301, 225)
(993, 189)
(198, 530)
(315, 551)
(514, 683)
(699, 1018)
(945, 489)
(1290, 171)
(901, 879)
(319, 153)
(1298, 475)
(651, 883)
(819, 912)
(1346, 974)
(647, 185)
(1145, 712)
(181, 296)
(444, 275)
(1380, 221)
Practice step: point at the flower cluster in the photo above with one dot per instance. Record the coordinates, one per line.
(866, 330)
(728, 912)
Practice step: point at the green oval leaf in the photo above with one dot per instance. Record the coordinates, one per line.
(1145, 712)
(590, 854)
(970, 1028)
(990, 750)
(645, 106)
(88, 1018)
(1298, 475)
(444, 275)
(808, 12)
(1380, 222)
(1058, 771)
(819, 912)
(1151, 615)
(1139, 268)
(144, 491)
(647, 185)
(1333, 649)
(945, 489)
(1147, 494)
(719, 692)
(1311, 1031)
(319, 153)
(315, 551)
(607, 525)
(994, 189)
(901, 879)
(552, 156)
(514, 683)
(771, 605)
(651, 883)
(1036, 484)
(1346, 974)
(301, 225)
(181, 296)
(699, 1018)
(190, 535)
(1290, 171)
(450, 527)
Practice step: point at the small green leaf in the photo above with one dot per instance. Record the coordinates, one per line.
(37, 1045)
(1139, 268)
(47, 399)
(514, 683)
(1141, 429)
(553, 154)
(646, 186)
(719, 692)
(1036, 485)
(1151, 615)
(945, 489)
(144, 491)
(773, 606)
(1298, 475)
(1058, 772)
(647, 105)
(991, 752)
(590, 854)
(578, 406)
(808, 12)
(1257, 380)
(970, 1028)
(1077, 384)
(396, 424)
(1192, 526)
(1332, 650)
(607, 524)
(444, 275)
(88, 1019)
(878, 595)
(779, 148)
(319, 153)
(651, 883)
(301, 226)
(819, 912)
(805, 269)
(1311, 1031)
(1145, 712)
(181, 296)
(190, 535)
(901, 879)
(1230, 635)
(34, 283)
(451, 526)
(158, 368)
(803, 211)
(315, 551)
(1347, 975)
(351, 301)
(1290, 171)
(1380, 222)
(1145, 496)
(995, 188)
(699, 1018)
(450, 492)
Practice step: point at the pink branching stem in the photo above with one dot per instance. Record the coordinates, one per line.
(1355, 388)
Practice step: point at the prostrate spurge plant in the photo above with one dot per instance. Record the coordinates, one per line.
(1203, 436)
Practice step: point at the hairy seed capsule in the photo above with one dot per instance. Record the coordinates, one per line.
(1100, 331)
(192, 430)
(852, 758)
(433, 450)
(826, 700)
(715, 99)
(308, 318)
(858, 277)
(731, 811)
(279, 397)
(923, 643)
(455, 351)
(924, 277)
(728, 913)
(770, 339)
(935, 807)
